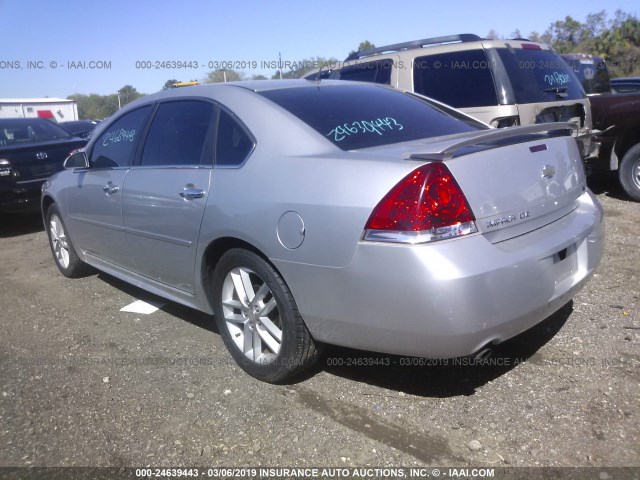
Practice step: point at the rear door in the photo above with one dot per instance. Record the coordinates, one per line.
(95, 200)
(165, 193)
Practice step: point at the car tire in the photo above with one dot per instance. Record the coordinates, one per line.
(258, 319)
(629, 173)
(64, 253)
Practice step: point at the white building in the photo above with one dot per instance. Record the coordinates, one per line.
(58, 109)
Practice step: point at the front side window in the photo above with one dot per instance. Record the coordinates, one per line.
(373, 72)
(460, 79)
(178, 135)
(361, 116)
(116, 145)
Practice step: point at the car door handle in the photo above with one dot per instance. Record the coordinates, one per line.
(110, 188)
(191, 193)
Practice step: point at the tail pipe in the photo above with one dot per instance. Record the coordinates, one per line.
(484, 353)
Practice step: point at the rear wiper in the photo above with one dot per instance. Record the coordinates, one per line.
(555, 90)
(561, 92)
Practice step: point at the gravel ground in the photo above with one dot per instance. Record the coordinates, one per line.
(83, 384)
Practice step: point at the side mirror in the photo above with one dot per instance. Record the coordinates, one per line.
(76, 160)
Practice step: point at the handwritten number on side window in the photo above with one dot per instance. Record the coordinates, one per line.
(120, 135)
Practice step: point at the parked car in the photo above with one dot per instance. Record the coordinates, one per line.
(318, 74)
(301, 213)
(31, 149)
(625, 85)
(591, 71)
(79, 128)
(616, 116)
(501, 82)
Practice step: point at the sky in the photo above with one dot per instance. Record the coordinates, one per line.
(58, 48)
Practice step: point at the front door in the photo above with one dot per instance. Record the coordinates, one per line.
(95, 200)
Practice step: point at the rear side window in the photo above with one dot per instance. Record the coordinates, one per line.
(233, 144)
(539, 76)
(372, 72)
(178, 135)
(362, 116)
(460, 79)
(116, 145)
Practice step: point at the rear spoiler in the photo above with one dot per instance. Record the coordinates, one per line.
(486, 137)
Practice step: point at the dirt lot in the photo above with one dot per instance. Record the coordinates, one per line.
(84, 384)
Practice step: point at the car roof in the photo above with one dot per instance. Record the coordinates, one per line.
(463, 40)
(214, 89)
(243, 98)
(264, 85)
(24, 120)
(78, 122)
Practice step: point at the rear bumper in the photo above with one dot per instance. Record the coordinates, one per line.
(450, 298)
(20, 197)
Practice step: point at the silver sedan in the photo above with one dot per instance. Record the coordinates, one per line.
(303, 213)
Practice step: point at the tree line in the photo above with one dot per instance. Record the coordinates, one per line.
(615, 39)
(98, 107)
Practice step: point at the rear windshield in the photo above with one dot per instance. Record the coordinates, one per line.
(540, 76)
(27, 131)
(592, 73)
(362, 116)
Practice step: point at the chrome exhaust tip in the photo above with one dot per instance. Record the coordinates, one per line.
(484, 354)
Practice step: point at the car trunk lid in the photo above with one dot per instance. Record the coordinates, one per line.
(533, 179)
(39, 160)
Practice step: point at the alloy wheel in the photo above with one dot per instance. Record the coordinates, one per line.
(59, 241)
(251, 315)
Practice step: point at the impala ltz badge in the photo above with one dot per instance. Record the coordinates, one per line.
(498, 222)
(41, 155)
(548, 171)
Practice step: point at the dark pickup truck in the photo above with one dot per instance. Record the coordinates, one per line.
(31, 150)
(617, 116)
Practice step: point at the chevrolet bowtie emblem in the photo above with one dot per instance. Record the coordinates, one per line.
(548, 171)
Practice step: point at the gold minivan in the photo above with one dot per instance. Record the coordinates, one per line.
(500, 82)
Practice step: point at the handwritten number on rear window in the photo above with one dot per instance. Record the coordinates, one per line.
(378, 126)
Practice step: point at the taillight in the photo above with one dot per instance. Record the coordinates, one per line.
(426, 205)
(5, 167)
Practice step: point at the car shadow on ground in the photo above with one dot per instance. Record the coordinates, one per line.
(16, 224)
(607, 183)
(195, 317)
(415, 376)
(442, 378)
